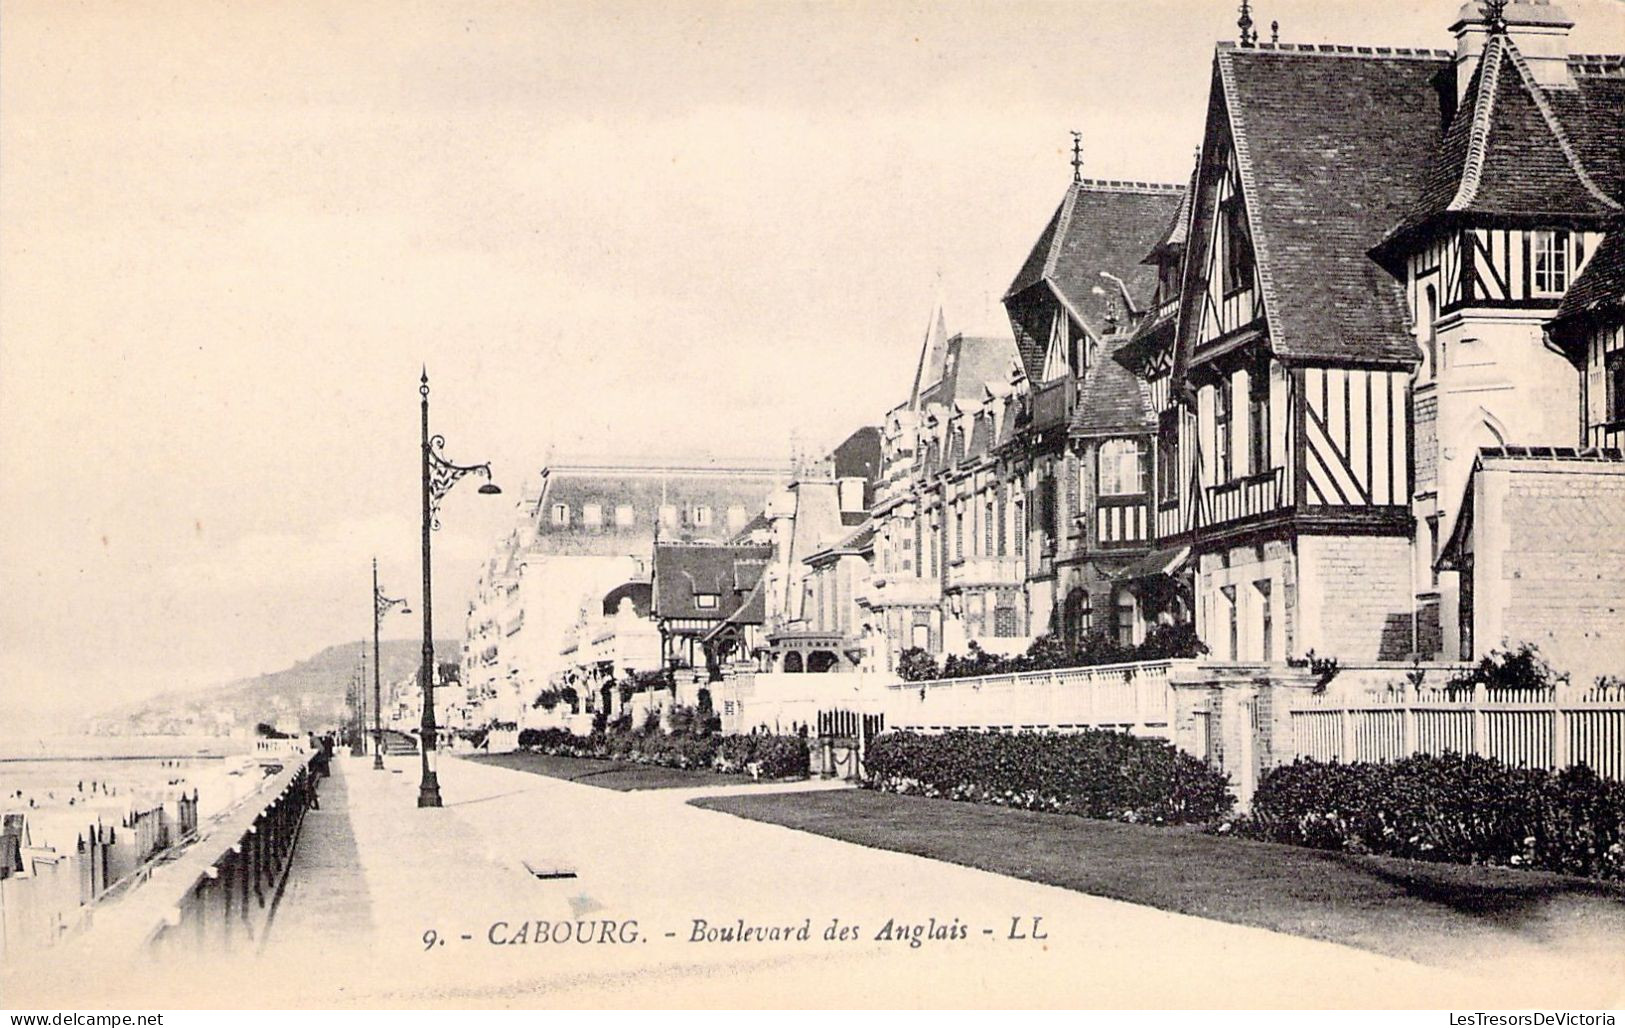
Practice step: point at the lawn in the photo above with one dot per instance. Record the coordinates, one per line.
(619, 775)
(1439, 914)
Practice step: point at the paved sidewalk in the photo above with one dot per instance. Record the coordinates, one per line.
(648, 867)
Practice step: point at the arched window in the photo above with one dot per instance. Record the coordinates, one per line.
(1122, 467)
(1076, 616)
(1125, 617)
(792, 663)
(820, 662)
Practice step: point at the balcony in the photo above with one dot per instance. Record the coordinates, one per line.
(1122, 521)
(984, 571)
(900, 591)
(1053, 402)
(1244, 497)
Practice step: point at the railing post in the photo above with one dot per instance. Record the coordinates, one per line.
(1407, 729)
(1346, 736)
(1560, 737)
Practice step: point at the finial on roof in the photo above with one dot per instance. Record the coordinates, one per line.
(1077, 156)
(1495, 17)
(1275, 32)
(1245, 24)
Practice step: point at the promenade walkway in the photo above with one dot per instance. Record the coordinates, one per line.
(380, 877)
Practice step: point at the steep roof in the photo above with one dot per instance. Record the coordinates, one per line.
(1112, 399)
(1100, 225)
(684, 570)
(969, 364)
(1333, 144)
(860, 540)
(1507, 150)
(1600, 289)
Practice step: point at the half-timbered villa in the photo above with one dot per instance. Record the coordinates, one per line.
(1084, 436)
(1378, 242)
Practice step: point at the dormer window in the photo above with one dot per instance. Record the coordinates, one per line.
(706, 601)
(561, 514)
(1122, 467)
(702, 517)
(1549, 254)
(593, 514)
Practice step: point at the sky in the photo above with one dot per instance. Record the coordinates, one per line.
(232, 233)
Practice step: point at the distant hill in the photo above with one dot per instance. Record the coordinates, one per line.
(313, 693)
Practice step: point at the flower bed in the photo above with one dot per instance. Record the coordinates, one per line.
(1107, 775)
(765, 756)
(1451, 809)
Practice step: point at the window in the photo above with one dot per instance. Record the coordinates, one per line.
(1614, 408)
(1258, 422)
(1004, 622)
(705, 601)
(1550, 251)
(593, 514)
(736, 518)
(959, 534)
(1168, 456)
(668, 515)
(1433, 551)
(561, 514)
(623, 514)
(1430, 311)
(1048, 510)
(1122, 467)
(1020, 527)
(1125, 618)
(1238, 247)
(1004, 526)
(1223, 458)
(1077, 617)
(702, 516)
(987, 528)
(1267, 627)
(1229, 594)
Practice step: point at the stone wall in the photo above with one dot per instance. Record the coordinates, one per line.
(1549, 562)
(1357, 597)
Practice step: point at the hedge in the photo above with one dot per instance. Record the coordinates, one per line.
(769, 756)
(1107, 775)
(1451, 809)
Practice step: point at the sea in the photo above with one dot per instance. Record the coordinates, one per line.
(64, 783)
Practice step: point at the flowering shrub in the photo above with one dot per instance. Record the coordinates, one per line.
(766, 756)
(1452, 809)
(1108, 775)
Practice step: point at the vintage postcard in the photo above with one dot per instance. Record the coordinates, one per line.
(812, 505)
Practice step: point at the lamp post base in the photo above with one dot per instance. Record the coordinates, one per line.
(429, 791)
(378, 760)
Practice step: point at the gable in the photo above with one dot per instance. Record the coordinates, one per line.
(1330, 150)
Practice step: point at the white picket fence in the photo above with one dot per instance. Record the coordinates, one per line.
(1530, 728)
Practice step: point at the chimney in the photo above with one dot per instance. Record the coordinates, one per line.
(1539, 29)
(851, 493)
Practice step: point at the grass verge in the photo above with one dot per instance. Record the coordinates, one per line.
(1440, 914)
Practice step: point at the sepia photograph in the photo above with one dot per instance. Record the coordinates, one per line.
(812, 505)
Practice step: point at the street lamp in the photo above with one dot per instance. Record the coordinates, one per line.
(381, 605)
(439, 475)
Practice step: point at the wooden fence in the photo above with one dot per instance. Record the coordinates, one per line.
(1550, 728)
